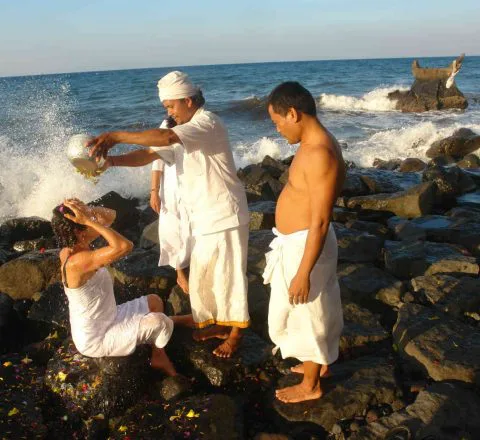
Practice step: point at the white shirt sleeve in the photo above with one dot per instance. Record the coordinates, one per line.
(195, 134)
(158, 165)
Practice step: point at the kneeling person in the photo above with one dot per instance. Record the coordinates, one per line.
(99, 327)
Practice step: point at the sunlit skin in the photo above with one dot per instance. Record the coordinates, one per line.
(316, 177)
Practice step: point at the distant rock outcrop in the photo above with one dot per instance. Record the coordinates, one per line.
(433, 89)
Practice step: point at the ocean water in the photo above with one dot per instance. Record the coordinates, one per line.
(39, 113)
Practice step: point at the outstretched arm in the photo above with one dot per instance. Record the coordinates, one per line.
(137, 158)
(157, 137)
(321, 178)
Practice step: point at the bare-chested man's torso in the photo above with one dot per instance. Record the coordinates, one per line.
(293, 207)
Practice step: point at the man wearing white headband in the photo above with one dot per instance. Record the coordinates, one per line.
(216, 201)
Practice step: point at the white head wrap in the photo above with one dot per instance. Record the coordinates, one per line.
(176, 85)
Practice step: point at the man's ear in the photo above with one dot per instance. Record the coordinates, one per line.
(293, 115)
(189, 102)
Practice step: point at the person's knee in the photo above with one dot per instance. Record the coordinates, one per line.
(155, 303)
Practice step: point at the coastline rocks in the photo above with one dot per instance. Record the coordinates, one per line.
(366, 284)
(458, 145)
(189, 354)
(442, 411)
(356, 246)
(458, 297)
(469, 161)
(352, 388)
(89, 386)
(406, 260)
(362, 331)
(415, 202)
(24, 228)
(262, 215)
(178, 302)
(149, 238)
(51, 307)
(140, 269)
(438, 344)
(412, 164)
(29, 274)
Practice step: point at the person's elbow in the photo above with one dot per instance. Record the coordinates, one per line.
(125, 248)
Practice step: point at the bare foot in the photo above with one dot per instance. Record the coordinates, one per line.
(227, 348)
(298, 393)
(324, 371)
(182, 281)
(183, 320)
(160, 361)
(214, 331)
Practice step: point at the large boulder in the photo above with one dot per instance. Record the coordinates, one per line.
(353, 386)
(410, 259)
(11, 328)
(411, 165)
(361, 333)
(140, 269)
(51, 307)
(199, 358)
(356, 246)
(366, 284)
(437, 344)
(442, 411)
(459, 297)
(89, 386)
(262, 215)
(258, 245)
(24, 228)
(29, 274)
(415, 202)
(458, 145)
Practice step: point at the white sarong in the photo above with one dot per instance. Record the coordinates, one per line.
(100, 327)
(218, 282)
(311, 331)
(174, 231)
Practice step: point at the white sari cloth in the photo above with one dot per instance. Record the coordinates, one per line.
(311, 331)
(218, 281)
(101, 328)
(174, 231)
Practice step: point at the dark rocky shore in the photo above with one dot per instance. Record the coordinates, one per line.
(409, 248)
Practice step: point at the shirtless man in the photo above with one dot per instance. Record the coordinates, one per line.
(305, 313)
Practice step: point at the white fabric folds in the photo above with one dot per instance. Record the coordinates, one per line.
(176, 85)
(311, 331)
(218, 281)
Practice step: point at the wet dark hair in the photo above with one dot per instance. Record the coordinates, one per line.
(63, 228)
(198, 99)
(292, 94)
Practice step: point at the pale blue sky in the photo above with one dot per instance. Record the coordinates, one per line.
(47, 36)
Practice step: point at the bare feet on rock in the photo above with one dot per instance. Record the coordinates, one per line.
(160, 361)
(298, 393)
(300, 369)
(227, 348)
(214, 331)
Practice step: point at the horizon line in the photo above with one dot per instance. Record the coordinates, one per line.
(228, 64)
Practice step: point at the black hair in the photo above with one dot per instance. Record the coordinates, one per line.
(171, 122)
(292, 94)
(198, 99)
(63, 228)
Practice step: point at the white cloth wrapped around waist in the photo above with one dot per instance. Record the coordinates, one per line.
(310, 331)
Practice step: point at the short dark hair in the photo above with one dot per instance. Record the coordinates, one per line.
(63, 228)
(292, 94)
(198, 99)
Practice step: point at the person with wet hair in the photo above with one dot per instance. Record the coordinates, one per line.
(99, 327)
